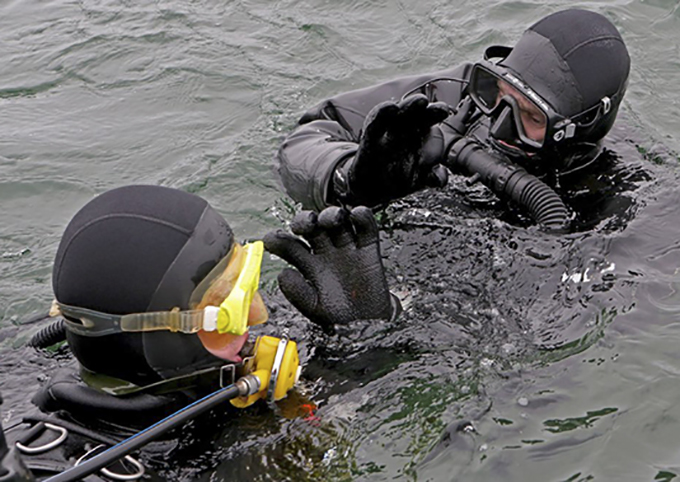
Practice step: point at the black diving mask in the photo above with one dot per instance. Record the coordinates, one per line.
(522, 119)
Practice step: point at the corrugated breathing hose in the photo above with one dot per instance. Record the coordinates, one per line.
(468, 157)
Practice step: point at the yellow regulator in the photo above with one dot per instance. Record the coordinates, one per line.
(276, 365)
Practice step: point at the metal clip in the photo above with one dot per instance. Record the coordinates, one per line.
(247, 365)
(35, 432)
(231, 377)
(276, 368)
(607, 104)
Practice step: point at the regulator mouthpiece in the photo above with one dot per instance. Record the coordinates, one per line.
(276, 364)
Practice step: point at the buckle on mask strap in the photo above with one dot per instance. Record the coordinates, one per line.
(606, 104)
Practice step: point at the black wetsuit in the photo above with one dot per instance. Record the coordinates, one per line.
(329, 133)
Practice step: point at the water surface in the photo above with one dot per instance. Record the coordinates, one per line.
(522, 356)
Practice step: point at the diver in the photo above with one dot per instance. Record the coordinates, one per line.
(156, 299)
(522, 119)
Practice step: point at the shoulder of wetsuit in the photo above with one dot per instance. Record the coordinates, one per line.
(326, 110)
(66, 392)
(444, 89)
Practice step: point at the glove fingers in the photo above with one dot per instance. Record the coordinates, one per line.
(413, 103)
(419, 114)
(291, 249)
(435, 113)
(411, 112)
(365, 227)
(379, 119)
(306, 224)
(335, 222)
(299, 292)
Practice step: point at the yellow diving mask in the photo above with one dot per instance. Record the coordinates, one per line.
(237, 274)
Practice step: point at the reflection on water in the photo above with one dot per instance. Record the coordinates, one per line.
(522, 355)
(587, 421)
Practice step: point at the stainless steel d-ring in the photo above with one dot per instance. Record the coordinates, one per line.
(114, 475)
(63, 433)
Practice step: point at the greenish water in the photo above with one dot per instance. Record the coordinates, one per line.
(560, 352)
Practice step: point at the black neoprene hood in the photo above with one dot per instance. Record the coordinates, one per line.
(573, 59)
(136, 249)
(575, 62)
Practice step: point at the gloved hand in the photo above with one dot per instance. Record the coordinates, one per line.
(400, 152)
(340, 276)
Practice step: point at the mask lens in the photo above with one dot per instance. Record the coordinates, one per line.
(493, 95)
(532, 120)
(484, 89)
(219, 282)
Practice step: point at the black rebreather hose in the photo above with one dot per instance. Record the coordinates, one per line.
(50, 335)
(469, 157)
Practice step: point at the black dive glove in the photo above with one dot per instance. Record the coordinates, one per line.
(340, 277)
(400, 152)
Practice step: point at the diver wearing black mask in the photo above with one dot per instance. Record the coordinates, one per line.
(543, 106)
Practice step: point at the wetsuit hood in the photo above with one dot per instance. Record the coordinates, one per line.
(572, 59)
(138, 249)
(577, 62)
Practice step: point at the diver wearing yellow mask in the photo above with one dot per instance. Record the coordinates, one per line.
(157, 299)
(132, 268)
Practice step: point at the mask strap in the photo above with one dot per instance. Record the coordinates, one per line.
(230, 317)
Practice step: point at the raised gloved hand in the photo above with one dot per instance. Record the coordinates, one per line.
(340, 276)
(400, 152)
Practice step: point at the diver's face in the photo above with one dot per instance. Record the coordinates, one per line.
(533, 119)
